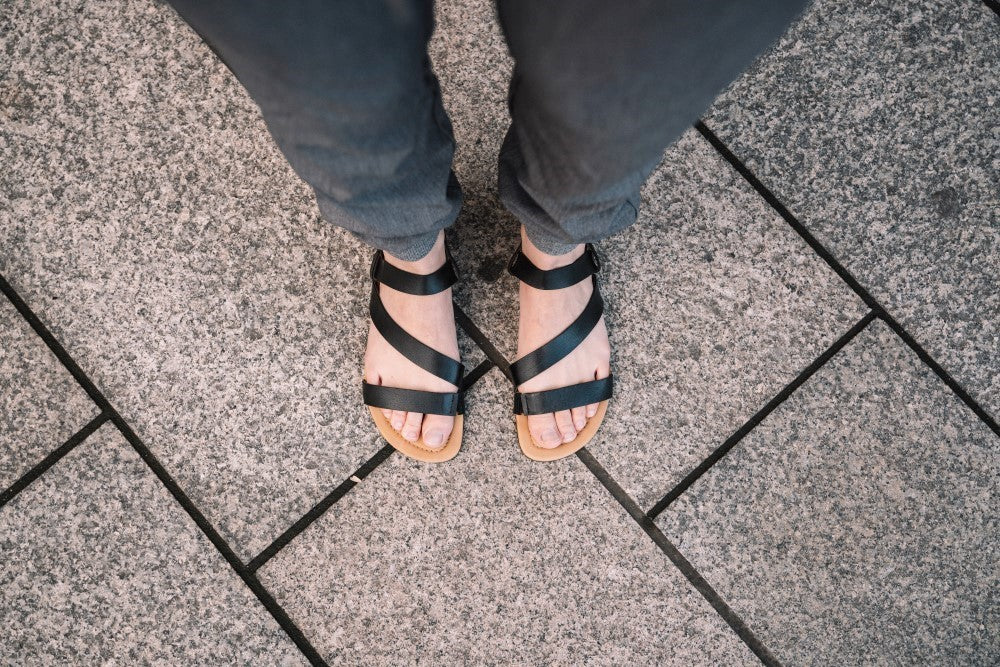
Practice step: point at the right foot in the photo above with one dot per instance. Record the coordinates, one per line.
(544, 313)
(429, 319)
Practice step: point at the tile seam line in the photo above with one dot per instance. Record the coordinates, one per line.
(366, 468)
(690, 572)
(482, 341)
(846, 276)
(786, 392)
(319, 509)
(52, 458)
(111, 414)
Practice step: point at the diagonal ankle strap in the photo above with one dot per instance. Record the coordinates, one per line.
(562, 345)
(418, 352)
(414, 283)
(523, 269)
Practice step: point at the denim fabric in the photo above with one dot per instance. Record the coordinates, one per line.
(600, 88)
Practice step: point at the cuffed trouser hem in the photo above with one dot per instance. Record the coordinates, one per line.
(407, 248)
(557, 229)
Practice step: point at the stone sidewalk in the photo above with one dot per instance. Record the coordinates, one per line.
(801, 466)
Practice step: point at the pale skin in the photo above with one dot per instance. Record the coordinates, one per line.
(543, 314)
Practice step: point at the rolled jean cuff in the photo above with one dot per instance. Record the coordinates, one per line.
(548, 244)
(406, 248)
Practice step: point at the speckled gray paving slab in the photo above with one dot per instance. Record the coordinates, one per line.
(99, 564)
(150, 220)
(41, 405)
(491, 559)
(857, 523)
(715, 305)
(714, 302)
(471, 60)
(876, 123)
(739, 306)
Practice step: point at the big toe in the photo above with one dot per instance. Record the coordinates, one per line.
(544, 430)
(436, 430)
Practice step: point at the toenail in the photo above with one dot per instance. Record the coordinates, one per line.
(580, 423)
(397, 424)
(550, 436)
(434, 439)
(410, 435)
(568, 437)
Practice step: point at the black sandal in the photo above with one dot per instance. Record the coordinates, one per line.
(377, 397)
(546, 356)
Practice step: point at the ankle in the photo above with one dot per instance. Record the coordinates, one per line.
(544, 260)
(429, 263)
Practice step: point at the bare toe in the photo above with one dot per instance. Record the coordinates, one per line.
(396, 419)
(565, 421)
(436, 430)
(591, 410)
(579, 417)
(411, 426)
(544, 431)
(387, 413)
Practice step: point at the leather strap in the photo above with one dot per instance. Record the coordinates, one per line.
(419, 353)
(562, 345)
(413, 400)
(563, 398)
(523, 269)
(413, 283)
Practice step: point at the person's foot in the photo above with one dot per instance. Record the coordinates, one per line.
(429, 319)
(545, 313)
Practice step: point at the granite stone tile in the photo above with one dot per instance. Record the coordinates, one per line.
(740, 306)
(149, 219)
(491, 559)
(857, 523)
(41, 405)
(98, 564)
(714, 305)
(471, 60)
(876, 124)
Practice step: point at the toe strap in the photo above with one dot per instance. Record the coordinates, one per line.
(563, 398)
(413, 400)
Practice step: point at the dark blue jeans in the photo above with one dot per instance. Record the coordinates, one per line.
(600, 88)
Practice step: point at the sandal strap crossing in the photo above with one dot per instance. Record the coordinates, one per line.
(414, 283)
(563, 344)
(563, 398)
(583, 266)
(413, 400)
(420, 353)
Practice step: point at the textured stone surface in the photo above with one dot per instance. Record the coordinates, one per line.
(877, 125)
(147, 216)
(99, 565)
(714, 304)
(491, 559)
(857, 523)
(41, 405)
(471, 60)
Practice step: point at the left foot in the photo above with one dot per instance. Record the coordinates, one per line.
(429, 319)
(544, 314)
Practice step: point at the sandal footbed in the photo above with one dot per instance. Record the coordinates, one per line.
(414, 449)
(537, 453)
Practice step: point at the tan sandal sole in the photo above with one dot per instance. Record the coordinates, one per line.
(414, 449)
(533, 451)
